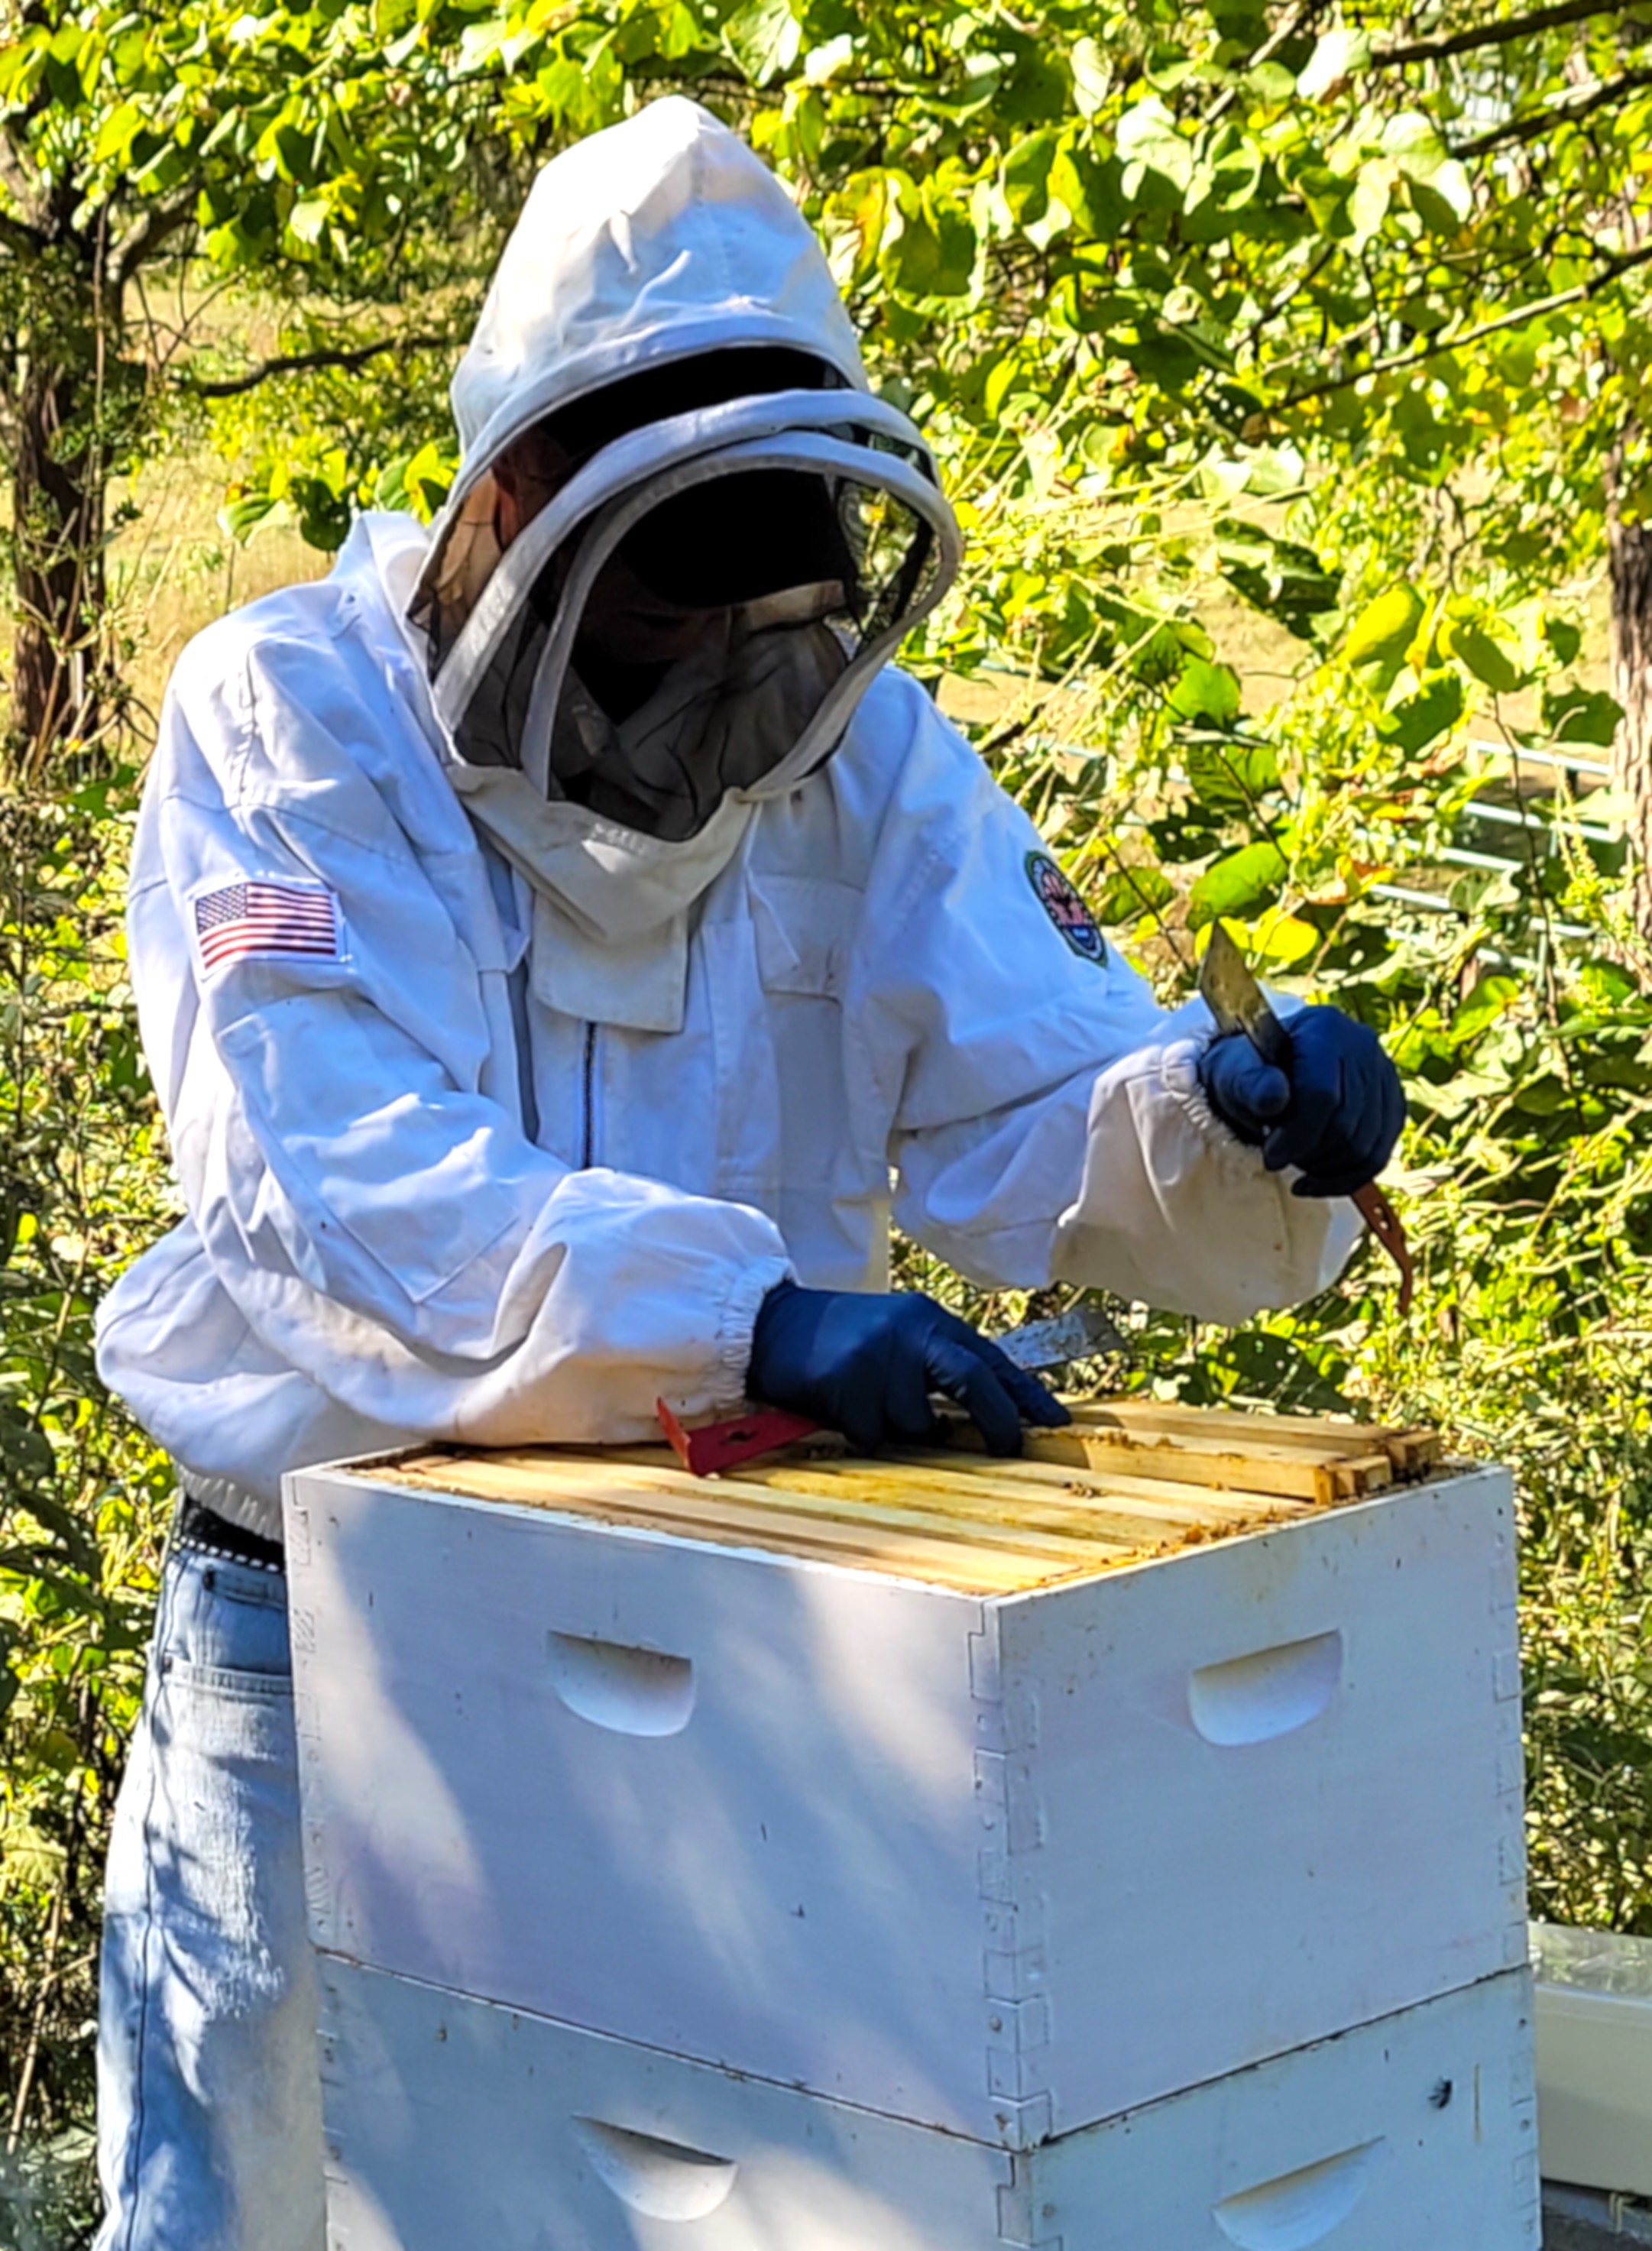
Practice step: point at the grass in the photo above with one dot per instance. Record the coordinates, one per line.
(174, 570)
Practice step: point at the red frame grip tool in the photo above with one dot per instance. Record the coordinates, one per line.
(718, 1446)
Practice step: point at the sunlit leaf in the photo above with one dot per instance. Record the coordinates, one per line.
(765, 39)
(1149, 141)
(1130, 892)
(1092, 76)
(1487, 659)
(1337, 54)
(1584, 716)
(1206, 691)
(1492, 997)
(1237, 885)
(1421, 719)
(1230, 776)
(1384, 630)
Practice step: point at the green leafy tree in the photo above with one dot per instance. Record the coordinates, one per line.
(344, 160)
(1136, 247)
(80, 1491)
(1159, 253)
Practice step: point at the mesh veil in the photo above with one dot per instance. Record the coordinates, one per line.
(802, 558)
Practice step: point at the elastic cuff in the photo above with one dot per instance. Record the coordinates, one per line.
(736, 1323)
(1179, 1068)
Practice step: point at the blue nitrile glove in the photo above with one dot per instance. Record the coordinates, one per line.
(866, 1365)
(1336, 1112)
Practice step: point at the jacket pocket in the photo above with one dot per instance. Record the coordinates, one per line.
(804, 931)
(802, 928)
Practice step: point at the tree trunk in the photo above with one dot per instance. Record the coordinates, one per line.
(59, 651)
(1629, 545)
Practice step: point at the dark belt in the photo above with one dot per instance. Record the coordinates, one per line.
(204, 1532)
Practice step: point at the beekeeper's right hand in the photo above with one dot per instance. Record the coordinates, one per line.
(867, 1364)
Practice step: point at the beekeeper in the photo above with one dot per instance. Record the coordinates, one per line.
(563, 941)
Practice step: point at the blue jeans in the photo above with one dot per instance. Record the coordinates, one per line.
(208, 2090)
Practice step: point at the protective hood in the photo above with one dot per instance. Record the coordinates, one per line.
(658, 240)
(801, 532)
(765, 691)
(824, 541)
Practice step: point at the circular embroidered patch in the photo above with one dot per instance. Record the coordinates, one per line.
(1064, 908)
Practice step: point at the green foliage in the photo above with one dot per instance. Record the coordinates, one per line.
(1112, 245)
(302, 134)
(82, 1189)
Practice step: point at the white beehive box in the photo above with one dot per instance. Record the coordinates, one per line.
(1001, 1832)
(454, 2123)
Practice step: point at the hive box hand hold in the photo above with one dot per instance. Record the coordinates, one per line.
(963, 1792)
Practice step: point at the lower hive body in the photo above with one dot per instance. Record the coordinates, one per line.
(454, 2123)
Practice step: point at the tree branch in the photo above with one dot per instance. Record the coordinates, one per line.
(21, 185)
(344, 362)
(1494, 35)
(140, 241)
(16, 234)
(1285, 30)
(1582, 104)
(1437, 344)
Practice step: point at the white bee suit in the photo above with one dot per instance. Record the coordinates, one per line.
(440, 1182)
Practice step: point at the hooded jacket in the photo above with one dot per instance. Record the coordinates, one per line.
(422, 1200)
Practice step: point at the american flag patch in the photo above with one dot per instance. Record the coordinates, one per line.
(263, 918)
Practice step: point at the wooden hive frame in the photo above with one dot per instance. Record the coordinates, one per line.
(1292, 1456)
(1126, 1481)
